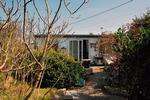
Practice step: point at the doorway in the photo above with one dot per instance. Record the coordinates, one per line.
(79, 49)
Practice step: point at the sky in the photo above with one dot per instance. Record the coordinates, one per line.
(109, 21)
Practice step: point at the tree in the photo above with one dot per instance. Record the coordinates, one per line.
(106, 43)
(50, 24)
(131, 70)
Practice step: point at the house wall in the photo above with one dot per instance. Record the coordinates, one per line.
(92, 49)
(64, 43)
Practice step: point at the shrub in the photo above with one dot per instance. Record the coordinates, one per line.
(60, 70)
(132, 69)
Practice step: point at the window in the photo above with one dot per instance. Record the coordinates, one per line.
(79, 49)
(74, 48)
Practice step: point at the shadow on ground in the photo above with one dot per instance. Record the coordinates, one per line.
(105, 97)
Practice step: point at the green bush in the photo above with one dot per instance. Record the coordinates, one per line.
(61, 70)
(131, 71)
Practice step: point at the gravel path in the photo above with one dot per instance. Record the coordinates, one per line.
(90, 92)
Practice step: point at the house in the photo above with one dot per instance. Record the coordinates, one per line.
(82, 47)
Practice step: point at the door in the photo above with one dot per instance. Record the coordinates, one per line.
(79, 49)
(85, 49)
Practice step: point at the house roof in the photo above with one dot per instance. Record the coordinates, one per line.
(69, 35)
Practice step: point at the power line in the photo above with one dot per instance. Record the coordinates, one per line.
(100, 13)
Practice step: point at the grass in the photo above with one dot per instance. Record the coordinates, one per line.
(19, 92)
(39, 93)
(11, 89)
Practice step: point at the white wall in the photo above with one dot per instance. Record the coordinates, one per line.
(92, 51)
(64, 43)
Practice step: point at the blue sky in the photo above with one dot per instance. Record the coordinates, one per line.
(110, 21)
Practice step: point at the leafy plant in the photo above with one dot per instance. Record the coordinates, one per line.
(60, 70)
(130, 70)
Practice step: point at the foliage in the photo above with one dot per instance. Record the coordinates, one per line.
(60, 70)
(131, 70)
(106, 42)
(13, 90)
(143, 21)
(11, 46)
(16, 32)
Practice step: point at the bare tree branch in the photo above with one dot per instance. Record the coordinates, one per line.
(39, 13)
(50, 27)
(73, 12)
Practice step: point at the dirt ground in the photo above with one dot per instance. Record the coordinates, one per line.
(91, 91)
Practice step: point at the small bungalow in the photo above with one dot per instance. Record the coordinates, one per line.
(82, 47)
